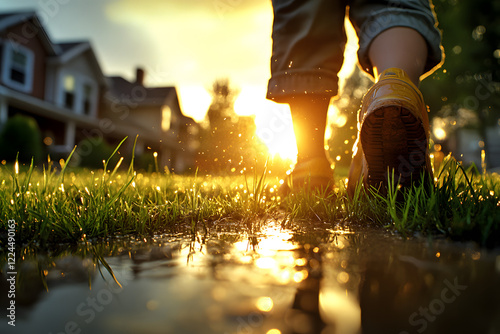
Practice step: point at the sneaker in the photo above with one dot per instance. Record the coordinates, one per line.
(312, 174)
(393, 135)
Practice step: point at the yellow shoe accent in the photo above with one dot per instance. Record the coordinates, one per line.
(393, 135)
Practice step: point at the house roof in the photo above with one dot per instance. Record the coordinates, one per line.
(59, 52)
(134, 93)
(10, 19)
(118, 87)
(72, 49)
(66, 46)
(131, 92)
(4, 15)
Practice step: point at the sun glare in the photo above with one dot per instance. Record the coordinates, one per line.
(274, 128)
(272, 120)
(195, 101)
(350, 57)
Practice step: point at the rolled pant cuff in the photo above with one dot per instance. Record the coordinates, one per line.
(282, 87)
(399, 18)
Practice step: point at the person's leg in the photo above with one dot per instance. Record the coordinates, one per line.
(313, 168)
(308, 46)
(398, 44)
(379, 26)
(399, 47)
(309, 116)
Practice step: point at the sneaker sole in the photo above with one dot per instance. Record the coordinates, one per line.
(393, 140)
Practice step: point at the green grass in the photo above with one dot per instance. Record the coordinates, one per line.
(71, 206)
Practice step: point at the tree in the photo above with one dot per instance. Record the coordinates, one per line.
(465, 91)
(229, 143)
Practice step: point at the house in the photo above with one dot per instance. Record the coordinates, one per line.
(156, 116)
(62, 86)
(57, 84)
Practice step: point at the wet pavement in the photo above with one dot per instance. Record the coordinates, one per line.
(263, 277)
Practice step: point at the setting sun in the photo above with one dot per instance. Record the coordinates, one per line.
(273, 121)
(274, 128)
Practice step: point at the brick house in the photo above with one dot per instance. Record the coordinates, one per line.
(62, 86)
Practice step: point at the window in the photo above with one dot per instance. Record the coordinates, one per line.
(77, 92)
(18, 67)
(166, 118)
(18, 64)
(87, 99)
(69, 91)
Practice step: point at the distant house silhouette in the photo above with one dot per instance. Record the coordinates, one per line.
(155, 112)
(62, 86)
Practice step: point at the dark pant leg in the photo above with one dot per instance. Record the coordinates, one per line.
(370, 18)
(308, 47)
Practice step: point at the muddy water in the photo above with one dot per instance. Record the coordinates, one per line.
(264, 278)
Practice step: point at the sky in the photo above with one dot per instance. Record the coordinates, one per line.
(183, 43)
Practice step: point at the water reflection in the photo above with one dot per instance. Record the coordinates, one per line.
(268, 278)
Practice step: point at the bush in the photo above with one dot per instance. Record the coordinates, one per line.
(21, 134)
(145, 162)
(91, 153)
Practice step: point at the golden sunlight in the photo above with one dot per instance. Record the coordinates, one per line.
(274, 128)
(273, 120)
(341, 309)
(276, 240)
(274, 254)
(195, 101)
(264, 304)
(439, 126)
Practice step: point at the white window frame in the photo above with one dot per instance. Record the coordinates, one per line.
(7, 63)
(79, 94)
(93, 96)
(64, 91)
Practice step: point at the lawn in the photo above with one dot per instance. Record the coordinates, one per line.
(51, 206)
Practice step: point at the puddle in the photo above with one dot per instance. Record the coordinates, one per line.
(305, 279)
